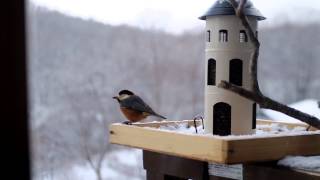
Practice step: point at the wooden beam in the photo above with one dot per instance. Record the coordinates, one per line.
(271, 148)
(214, 148)
(172, 143)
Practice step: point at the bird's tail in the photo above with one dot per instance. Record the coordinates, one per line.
(158, 115)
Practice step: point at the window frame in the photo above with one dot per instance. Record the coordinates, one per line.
(244, 33)
(223, 35)
(208, 36)
(236, 72)
(211, 74)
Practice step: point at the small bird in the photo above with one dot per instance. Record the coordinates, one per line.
(133, 107)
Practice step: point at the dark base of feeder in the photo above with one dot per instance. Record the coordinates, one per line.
(165, 167)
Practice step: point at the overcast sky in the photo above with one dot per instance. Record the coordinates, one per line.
(175, 15)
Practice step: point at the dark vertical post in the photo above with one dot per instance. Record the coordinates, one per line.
(167, 167)
(254, 116)
(13, 100)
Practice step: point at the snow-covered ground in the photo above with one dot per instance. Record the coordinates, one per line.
(123, 164)
(309, 106)
(118, 165)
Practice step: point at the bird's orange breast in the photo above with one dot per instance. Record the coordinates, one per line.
(133, 115)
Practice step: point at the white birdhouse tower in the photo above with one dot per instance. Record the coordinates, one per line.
(228, 51)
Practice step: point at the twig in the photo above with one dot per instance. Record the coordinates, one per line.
(199, 117)
(202, 122)
(254, 92)
(256, 44)
(195, 125)
(308, 128)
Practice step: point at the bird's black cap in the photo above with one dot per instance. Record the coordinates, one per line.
(125, 92)
(223, 7)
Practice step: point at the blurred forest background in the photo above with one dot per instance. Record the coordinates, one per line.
(77, 65)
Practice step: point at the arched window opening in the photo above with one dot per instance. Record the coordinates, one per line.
(223, 35)
(235, 72)
(208, 36)
(243, 36)
(211, 76)
(222, 119)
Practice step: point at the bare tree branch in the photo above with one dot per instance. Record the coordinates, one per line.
(88, 156)
(256, 44)
(268, 103)
(94, 157)
(254, 93)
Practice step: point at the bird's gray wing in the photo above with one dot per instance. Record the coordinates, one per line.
(136, 103)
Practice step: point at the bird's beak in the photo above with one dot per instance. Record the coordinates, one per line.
(116, 98)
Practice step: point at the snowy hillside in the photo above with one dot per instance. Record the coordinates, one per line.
(118, 165)
(77, 65)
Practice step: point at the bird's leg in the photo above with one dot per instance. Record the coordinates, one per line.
(127, 122)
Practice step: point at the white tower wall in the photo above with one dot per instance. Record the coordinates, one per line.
(222, 53)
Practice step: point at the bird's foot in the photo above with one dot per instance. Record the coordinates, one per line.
(127, 122)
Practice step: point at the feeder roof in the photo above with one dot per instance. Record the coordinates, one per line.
(223, 7)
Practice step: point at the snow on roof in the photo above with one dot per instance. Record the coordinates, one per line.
(223, 7)
(309, 106)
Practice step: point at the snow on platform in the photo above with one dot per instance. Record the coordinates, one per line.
(262, 131)
(306, 163)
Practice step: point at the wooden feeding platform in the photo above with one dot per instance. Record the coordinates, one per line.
(218, 149)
